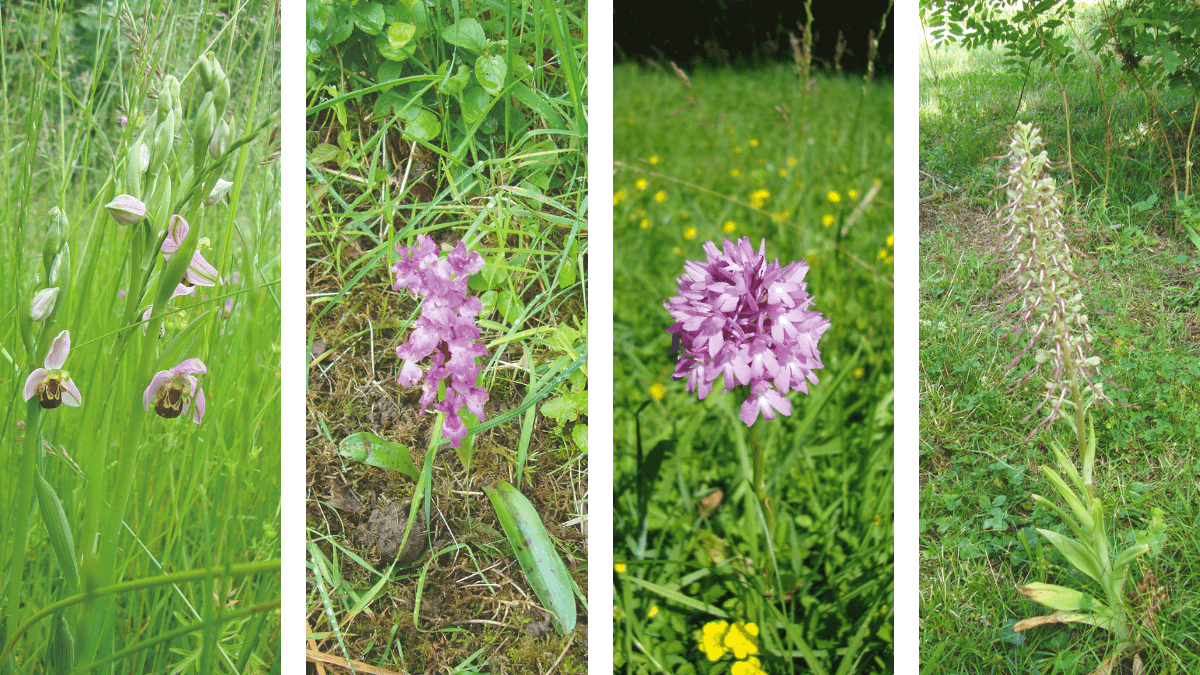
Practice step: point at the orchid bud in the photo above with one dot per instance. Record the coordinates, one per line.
(204, 69)
(219, 141)
(219, 190)
(60, 269)
(162, 141)
(161, 192)
(56, 232)
(43, 303)
(126, 210)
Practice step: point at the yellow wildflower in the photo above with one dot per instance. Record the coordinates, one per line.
(833, 196)
(852, 193)
(883, 254)
(653, 612)
(619, 196)
(620, 568)
(791, 161)
(735, 173)
(751, 666)
(658, 391)
(742, 639)
(689, 233)
(754, 142)
(685, 215)
(729, 226)
(642, 183)
(654, 159)
(827, 219)
(737, 151)
(660, 196)
(891, 240)
(645, 223)
(712, 641)
(677, 250)
(858, 372)
(783, 173)
(759, 197)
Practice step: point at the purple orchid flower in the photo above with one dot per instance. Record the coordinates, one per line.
(749, 320)
(176, 391)
(52, 385)
(446, 330)
(199, 271)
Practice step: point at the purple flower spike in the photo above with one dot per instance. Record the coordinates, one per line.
(446, 330)
(176, 391)
(52, 385)
(739, 316)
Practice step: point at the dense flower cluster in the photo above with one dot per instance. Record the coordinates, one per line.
(739, 638)
(446, 329)
(739, 316)
(1041, 273)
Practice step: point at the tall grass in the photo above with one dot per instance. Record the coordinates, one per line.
(133, 542)
(755, 154)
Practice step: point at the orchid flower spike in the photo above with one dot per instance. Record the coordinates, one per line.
(176, 391)
(52, 385)
(199, 272)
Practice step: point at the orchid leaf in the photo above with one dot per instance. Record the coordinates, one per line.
(535, 552)
(374, 451)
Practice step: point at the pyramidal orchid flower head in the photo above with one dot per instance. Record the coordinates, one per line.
(199, 271)
(51, 384)
(126, 210)
(177, 392)
(446, 330)
(748, 320)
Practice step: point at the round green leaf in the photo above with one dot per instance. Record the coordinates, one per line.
(475, 102)
(467, 34)
(489, 70)
(397, 43)
(422, 124)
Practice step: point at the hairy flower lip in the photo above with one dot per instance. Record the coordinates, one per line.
(176, 391)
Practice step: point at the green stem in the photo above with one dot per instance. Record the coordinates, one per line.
(20, 516)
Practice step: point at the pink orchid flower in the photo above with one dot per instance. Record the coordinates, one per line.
(176, 391)
(199, 272)
(52, 385)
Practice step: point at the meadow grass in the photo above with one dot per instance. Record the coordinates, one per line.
(511, 186)
(132, 542)
(734, 154)
(978, 538)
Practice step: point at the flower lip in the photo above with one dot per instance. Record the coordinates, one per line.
(51, 384)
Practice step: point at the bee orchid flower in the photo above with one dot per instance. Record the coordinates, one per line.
(199, 272)
(176, 391)
(52, 385)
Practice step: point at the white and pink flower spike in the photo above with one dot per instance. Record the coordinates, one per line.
(176, 391)
(52, 385)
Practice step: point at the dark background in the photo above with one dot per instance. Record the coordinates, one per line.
(747, 33)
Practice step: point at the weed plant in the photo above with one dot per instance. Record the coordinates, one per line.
(757, 154)
(464, 122)
(978, 525)
(140, 519)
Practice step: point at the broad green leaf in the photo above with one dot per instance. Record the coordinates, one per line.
(1076, 553)
(397, 43)
(579, 434)
(369, 17)
(475, 102)
(324, 153)
(421, 124)
(467, 34)
(489, 70)
(566, 277)
(374, 451)
(457, 82)
(535, 552)
(1061, 597)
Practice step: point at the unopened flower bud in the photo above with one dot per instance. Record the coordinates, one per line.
(204, 69)
(126, 210)
(60, 268)
(219, 190)
(219, 141)
(162, 141)
(56, 232)
(43, 303)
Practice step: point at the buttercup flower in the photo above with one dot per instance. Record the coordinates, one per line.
(742, 639)
(712, 639)
(52, 385)
(176, 391)
(739, 316)
(199, 271)
(446, 329)
(126, 210)
(751, 666)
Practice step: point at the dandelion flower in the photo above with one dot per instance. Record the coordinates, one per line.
(827, 219)
(783, 173)
(641, 183)
(891, 239)
(833, 196)
(660, 196)
(729, 226)
(654, 159)
(754, 142)
(739, 316)
(852, 193)
(645, 223)
(657, 391)
(689, 233)
(735, 173)
(619, 196)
